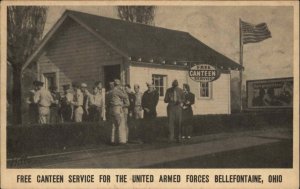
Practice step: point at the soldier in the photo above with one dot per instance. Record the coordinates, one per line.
(128, 109)
(107, 96)
(175, 98)
(66, 109)
(55, 106)
(77, 103)
(117, 100)
(138, 110)
(96, 105)
(33, 107)
(44, 100)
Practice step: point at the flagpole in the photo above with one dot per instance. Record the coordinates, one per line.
(241, 63)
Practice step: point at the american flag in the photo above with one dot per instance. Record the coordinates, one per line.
(254, 33)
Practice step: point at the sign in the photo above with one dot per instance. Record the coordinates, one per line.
(204, 73)
(270, 93)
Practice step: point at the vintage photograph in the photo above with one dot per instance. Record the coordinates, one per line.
(149, 87)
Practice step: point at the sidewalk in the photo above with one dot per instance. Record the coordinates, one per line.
(145, 155)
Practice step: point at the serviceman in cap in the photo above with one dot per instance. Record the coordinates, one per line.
(66, 104)
(86, 96)
(117, 100)
(77, 102)
(33, 111)
(44, 100)
(107, 97)
(175, 98)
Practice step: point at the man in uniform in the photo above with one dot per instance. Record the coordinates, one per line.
(117, 100)
(138, 110)
(107, 97)
(175, 98)
(77, 103)
(66, 109)
(44, 100)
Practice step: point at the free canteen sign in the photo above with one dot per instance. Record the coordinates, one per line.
(204, 73)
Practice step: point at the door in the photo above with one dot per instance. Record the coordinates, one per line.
(110, 73)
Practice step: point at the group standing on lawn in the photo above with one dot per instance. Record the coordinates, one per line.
(117, 105)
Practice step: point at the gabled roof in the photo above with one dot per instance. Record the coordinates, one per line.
(145, 42)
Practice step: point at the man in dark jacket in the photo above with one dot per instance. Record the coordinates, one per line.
(175, 98)
(149, 102)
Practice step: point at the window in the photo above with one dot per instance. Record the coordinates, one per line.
(49, 80)
(205, 89)
(160, 83)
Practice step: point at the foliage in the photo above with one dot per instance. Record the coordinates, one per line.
(42, 139)
(139, 14)
(25, 26)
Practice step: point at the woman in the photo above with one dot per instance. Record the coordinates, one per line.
(187, 112)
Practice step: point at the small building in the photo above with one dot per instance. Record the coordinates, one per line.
(87, 48)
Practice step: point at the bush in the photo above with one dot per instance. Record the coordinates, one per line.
(41, 139)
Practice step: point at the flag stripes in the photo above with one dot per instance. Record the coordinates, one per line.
(254, 33)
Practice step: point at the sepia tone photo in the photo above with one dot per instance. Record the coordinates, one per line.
(150, 87)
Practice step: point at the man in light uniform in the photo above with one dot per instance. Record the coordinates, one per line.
(138, 110)
(96, 105)
(78, 103)
(44, 99)
(117, 100)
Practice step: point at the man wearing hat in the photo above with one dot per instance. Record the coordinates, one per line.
(107, 97)
(77, 102)
(44, 100)
(33, 107)
(117, 100)
(175, 98)
(66, 109)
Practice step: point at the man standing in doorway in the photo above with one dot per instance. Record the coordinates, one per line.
(175, 98)
(44, 100)
(149, 102)
(117, 100)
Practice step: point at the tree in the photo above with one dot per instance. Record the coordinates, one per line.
(25, 26)
(139, 14)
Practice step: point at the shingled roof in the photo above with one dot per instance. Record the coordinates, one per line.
(144, 42)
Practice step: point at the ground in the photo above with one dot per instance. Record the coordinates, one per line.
(264, 148)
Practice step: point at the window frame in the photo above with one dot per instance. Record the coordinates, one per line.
(56, 80)
(210, 91)
(164, 86)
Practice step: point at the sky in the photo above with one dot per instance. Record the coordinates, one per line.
(218, 27)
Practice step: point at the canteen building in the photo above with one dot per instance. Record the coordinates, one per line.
(87, 48)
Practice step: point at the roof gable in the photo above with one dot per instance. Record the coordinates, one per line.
(149, 43)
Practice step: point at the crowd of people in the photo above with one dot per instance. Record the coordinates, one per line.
(116, 105)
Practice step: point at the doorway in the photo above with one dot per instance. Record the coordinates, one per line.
(110, 73)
